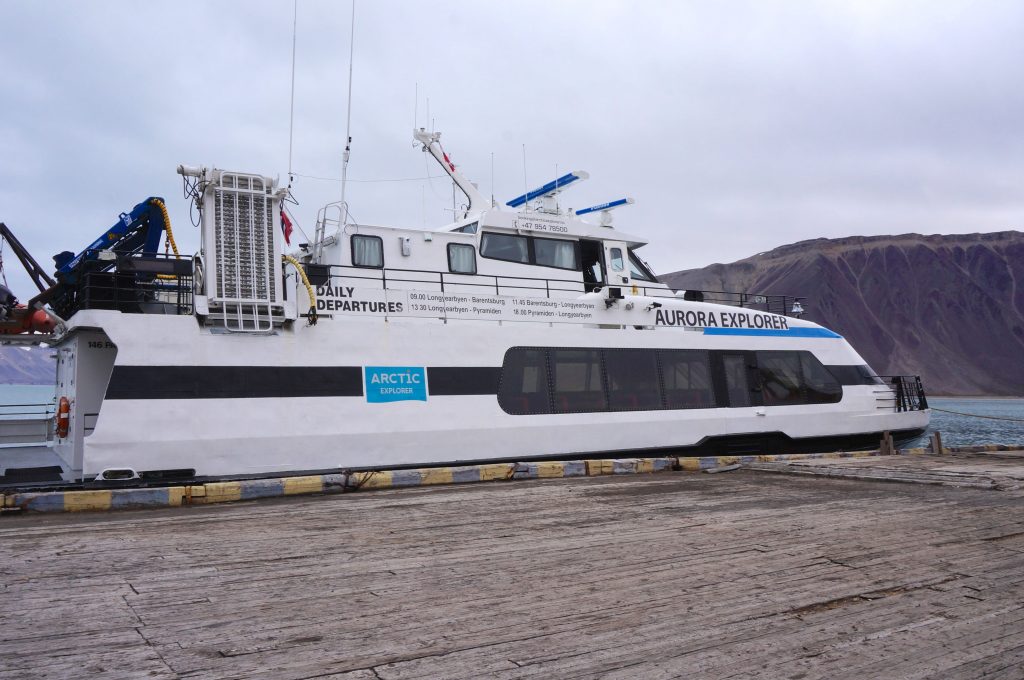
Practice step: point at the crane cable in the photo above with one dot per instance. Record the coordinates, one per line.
(309, 288)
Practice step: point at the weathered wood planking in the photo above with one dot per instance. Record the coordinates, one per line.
(726, 576)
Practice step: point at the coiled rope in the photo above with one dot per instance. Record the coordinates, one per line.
(309, 288)
(978, 415)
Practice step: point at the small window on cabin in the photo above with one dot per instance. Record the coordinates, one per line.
(820, 386)
(638, 270)
(632, 379)
(468, 228)
(577, 381)
(616, 257)
(505, 247)
(781, 378)
(687, 379)
(367, 251)
(523, 387)
(461, 258)
(549, 252)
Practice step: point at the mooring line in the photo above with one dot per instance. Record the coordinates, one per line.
(978, 415)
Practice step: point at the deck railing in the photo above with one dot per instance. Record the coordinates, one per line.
(909, 391)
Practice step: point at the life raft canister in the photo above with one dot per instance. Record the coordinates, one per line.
(63, 417)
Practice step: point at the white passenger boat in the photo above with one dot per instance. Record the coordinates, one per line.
(518, 333)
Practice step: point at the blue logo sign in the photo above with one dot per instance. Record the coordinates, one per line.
(395, 383)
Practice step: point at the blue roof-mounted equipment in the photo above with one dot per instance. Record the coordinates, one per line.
(605, 206)
(550, 189)
(138, 231)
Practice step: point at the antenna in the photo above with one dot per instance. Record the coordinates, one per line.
(492, 179)
(291, 117)
(526, 183)
(348, 121)
(416, 109)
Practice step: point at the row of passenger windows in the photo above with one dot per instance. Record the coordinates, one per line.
(568, 380)
(368, 251)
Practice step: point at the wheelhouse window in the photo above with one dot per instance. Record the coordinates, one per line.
(468, 228)
(638, 270)
(505, 247)
(367, 251)
(616, 259)
(550, 252)
(461, 258)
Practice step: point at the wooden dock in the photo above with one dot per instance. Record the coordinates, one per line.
(743, 574)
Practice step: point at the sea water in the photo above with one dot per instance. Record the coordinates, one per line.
(1003, 424)
(26, 400)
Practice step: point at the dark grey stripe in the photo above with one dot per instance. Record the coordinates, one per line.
(234, 382)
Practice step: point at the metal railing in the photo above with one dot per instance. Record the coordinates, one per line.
(134, 284)
(909, 391)
(785, 305)
(392, 278)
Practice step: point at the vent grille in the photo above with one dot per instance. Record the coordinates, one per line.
(244, 238)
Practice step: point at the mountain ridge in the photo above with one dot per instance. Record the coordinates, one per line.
(947, 307)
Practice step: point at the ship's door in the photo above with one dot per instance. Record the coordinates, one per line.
(617, 258)
(739, 380)
(592, 260)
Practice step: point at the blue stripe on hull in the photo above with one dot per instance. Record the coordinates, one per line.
(788, 333)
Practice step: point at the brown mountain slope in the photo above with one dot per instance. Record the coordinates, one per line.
(950, 308)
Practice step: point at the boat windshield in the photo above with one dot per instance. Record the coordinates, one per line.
(639, 270)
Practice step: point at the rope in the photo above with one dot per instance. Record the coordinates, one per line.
(170, 238)
(976, 415)
(309, 288)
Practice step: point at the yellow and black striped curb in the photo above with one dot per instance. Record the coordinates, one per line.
(224, 492)
(984, 448)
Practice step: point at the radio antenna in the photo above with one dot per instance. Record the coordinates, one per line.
(348, 120)
(291, 117)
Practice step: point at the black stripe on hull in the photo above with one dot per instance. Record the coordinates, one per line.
(458, 380)
(234, 382)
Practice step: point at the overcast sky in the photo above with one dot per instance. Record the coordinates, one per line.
(736, 126)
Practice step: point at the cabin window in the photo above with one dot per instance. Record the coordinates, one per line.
(577, 381)
(781, 378)
(638, 270)
(687, 379)
(468, 228)
(505, 247)
(616, 257)
(554, 253)
(736, 387)
(461, 258)
(523, 389)
(632, 379)
(367, 251)
(820, 386)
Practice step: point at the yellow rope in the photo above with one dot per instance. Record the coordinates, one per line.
(305, 281)
(170, 236)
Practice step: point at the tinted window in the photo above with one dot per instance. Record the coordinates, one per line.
(632, 379)
(505, 247)
(524, 382)
(737, 389)
(781, 378)
(577, 381)
(687, 379)
(461, 258)
(638, 270)
(820, 387)
(367, 251)
(616, 257)
(551, 253)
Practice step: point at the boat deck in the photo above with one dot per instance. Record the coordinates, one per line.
(743, 574)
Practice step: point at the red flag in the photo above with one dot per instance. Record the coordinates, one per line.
(448, 161)
(286, 227)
